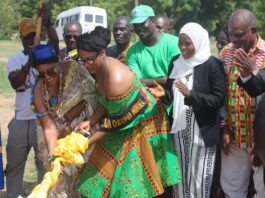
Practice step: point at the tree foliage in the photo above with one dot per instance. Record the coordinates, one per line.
(9, 18)
(212, 14)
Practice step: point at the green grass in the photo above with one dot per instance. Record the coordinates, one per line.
(7, 49)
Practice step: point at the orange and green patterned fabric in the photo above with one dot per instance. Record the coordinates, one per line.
(138, 158)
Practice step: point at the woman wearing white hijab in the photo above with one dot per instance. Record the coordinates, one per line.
(196, 86)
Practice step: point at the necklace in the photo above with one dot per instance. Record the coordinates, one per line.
(55, 103)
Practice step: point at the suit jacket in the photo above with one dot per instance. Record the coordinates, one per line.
(206, 97)
(256, 85)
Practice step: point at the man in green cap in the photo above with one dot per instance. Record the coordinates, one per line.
(149, 58)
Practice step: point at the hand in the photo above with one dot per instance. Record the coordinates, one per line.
(157, 91)
(256, 161)
(226, 143)
(28, 65)
(245, 63)
(83, 127)
(182, 87)
(68, 118)
(227, 139)
(43, 13)
(74, 112)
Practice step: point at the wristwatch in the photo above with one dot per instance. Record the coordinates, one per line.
(255, 72)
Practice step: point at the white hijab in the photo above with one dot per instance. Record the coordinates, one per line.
(184, 67)
(200, 39)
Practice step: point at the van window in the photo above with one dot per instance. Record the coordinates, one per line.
(74, 18)
(99, 19)
(88, 18)
(64, 21)
(57, 23)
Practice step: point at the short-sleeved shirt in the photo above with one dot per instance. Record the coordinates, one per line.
(23, 93)
(152, 62)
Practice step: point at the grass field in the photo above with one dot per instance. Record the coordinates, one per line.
(7, 49)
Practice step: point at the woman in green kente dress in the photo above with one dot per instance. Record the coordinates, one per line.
(134, 154)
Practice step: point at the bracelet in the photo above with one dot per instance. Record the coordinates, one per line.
(38, 114)
(50, 157)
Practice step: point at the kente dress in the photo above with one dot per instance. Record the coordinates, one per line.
(77, 86)
(138, 157)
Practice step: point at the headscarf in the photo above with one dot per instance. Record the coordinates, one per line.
(26, 26)
(200, 39)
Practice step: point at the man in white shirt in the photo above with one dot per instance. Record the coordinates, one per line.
(22, 128)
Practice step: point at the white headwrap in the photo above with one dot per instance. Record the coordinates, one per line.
(200, 39)
(184, 67)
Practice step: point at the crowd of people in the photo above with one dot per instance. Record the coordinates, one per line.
(164, 117)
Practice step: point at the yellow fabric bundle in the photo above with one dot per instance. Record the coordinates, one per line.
(69, 150)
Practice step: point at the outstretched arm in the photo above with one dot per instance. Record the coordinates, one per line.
(47, 23)
(150, 82)
(47, 123)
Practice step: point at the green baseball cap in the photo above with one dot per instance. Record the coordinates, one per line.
(140, 13)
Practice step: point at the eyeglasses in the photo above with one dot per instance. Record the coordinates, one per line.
(68, 37)
(49, 72)
(88, 60)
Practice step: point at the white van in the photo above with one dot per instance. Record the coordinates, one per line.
(89, 17)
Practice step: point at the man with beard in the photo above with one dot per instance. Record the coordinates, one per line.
(72, 31)
(246, 48)
(122, 35)
(22, 128)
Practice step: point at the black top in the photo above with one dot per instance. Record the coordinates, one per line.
(206, 97)
(112, 51)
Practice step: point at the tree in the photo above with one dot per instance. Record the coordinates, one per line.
(9, 18)
(259, 7)
(212, 14)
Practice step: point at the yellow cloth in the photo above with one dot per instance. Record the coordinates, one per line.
(26, 26)
(68, 151)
